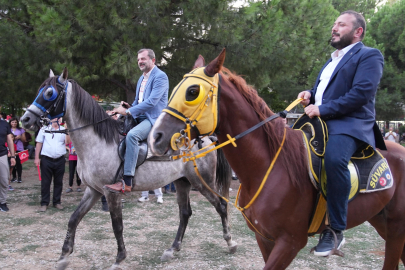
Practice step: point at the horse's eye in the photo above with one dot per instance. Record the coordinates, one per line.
(49, 94)
(192, 92)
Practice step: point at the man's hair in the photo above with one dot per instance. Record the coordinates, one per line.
(151, 53)
(359, 21)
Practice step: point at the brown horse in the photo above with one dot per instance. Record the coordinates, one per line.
(283, 209)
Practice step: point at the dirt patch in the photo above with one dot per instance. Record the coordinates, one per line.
(33, 240)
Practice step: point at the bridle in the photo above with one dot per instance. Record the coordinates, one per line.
(54, 109)
(182, 141)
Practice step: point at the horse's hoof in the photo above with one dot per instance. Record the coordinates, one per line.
(167, 256)
(233, 247)
(62, 264)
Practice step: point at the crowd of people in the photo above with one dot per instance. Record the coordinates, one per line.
(50, 155)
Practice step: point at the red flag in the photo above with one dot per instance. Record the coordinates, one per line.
(39, 173)
(23, 156)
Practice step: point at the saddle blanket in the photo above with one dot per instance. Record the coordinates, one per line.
(369, 170)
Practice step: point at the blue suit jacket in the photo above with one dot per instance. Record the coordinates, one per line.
(348, 103)
(155, 96)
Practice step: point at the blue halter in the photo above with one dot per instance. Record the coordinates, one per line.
(51, 101)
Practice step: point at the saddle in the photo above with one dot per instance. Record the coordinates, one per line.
(126, 123)
(369, 170)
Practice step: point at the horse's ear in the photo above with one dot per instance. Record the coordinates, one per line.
(200, 62)
(63, 77)
(215, 66)
(51, 73)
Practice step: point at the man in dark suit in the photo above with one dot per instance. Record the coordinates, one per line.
(344, 97)
(151, 98)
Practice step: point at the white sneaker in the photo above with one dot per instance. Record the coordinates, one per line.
(160, 199)
(143, 199)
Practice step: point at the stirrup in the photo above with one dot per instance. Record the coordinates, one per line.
(335, 250)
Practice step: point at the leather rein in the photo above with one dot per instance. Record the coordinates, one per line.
(188, 155)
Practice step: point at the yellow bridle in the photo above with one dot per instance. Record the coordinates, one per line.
(192, 117)
(200, 113)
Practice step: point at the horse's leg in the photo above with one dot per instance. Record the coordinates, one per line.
(90, 197)
(183, 200)
(222, 208)
(394, 245)
(392, 232)
(282, 253)
(115, 207)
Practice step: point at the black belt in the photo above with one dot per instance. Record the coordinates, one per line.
(53, 159)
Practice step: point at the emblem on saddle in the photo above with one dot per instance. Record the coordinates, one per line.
(369, 170)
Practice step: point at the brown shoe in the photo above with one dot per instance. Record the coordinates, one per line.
(118, 187)
(58, 206)
(43, 208)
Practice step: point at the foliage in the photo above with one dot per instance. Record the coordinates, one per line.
(21, 58)
(388, 31)
(278, 46)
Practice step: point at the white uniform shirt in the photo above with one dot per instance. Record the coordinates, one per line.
(53, 145)
(328, 71)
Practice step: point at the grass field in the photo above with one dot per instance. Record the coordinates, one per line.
(33, 240)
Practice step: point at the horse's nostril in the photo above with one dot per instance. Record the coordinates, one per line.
(158, 137)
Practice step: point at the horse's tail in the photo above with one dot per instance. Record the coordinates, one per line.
(223, 174)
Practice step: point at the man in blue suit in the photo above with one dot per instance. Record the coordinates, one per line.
(344, 97)
(151, 98)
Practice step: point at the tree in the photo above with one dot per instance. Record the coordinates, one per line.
(387, 30)
(21, 58)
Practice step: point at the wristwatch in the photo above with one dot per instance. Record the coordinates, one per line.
(12, 157)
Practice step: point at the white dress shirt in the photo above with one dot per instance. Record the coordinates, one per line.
(143, 85)
(328, 71)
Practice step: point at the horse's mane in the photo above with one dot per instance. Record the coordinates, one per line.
(274, 129)
(89, 111)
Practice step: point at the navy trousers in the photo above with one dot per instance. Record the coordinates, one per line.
(339, 150)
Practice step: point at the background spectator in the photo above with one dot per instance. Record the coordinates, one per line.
(72, 169)
(391, 135)
(17, 131)
(52, 148)
(5, 136)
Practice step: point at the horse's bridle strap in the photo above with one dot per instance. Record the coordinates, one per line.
(200, 77)
(192, 157)
(67, 131)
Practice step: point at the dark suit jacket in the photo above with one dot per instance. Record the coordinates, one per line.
(155, 96)
(348, 104)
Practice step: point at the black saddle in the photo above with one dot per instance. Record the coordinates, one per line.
(126, 124)
(368, 168)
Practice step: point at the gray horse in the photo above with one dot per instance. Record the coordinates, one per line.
(96, 139)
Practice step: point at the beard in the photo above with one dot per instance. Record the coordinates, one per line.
(344, 41)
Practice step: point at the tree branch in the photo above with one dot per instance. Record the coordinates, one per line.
(118, 83)
(2, 14)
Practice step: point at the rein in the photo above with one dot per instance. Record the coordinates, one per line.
(66, 131)
(192, 156)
